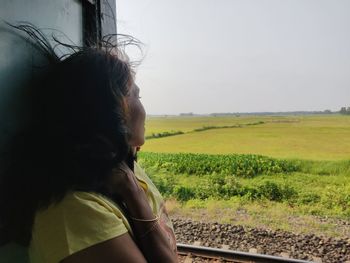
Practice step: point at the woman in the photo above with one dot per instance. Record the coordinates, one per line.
(73, 190)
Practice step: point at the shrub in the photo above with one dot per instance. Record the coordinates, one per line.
(183, 193)
(309, 198)
(248, 165)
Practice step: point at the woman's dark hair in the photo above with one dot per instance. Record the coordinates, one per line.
(76, 134)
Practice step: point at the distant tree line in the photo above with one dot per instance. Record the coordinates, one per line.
(345, 110)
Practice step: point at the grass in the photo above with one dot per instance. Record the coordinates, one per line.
(298, 137)
(312, 188)
(319, 189)
(314, 198)
(190, 123)
(276, 216)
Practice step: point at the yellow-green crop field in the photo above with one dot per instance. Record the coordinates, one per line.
(277, 171)
(314, 137)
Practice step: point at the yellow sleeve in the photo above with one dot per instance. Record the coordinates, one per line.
(79, 221)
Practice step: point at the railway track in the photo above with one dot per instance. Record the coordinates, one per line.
(191, 253)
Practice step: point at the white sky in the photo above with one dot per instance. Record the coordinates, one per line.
(207, 56)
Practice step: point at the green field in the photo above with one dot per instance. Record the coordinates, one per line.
(268, 171)
(302, 137)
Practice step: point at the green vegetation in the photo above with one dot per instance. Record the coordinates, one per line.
(204, 128)
(190, 123)
(345, 110)
(293, 137)
(221, 165)
(163, 134)
(317, 188)
(287, 172)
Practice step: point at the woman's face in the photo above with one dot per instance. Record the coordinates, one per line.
(137, 117)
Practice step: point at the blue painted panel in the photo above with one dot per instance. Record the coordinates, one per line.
(16, 61)
(17, 57)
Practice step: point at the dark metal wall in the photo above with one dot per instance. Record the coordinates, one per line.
(82, 21)
(16, 56)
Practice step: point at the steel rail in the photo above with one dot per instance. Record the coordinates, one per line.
(201, 251)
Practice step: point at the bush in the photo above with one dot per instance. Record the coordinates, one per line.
(163, 134)
(270, 191)
(310, 198)
(274, 192)
(248, 165)
(173, 175)
(183, 193)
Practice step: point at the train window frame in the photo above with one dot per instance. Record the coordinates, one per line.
(99, 19)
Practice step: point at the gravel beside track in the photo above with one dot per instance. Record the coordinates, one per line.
(262, 241)
(194, 259)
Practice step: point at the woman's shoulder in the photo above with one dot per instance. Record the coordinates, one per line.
(79, 220)
(90, 199)
(81, 200)
(80, 207)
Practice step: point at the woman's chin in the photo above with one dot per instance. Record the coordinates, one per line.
(142, 142)
(137, 143)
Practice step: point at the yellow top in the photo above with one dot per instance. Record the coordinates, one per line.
(83, 219)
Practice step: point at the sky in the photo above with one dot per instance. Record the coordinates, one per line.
(206, 56)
